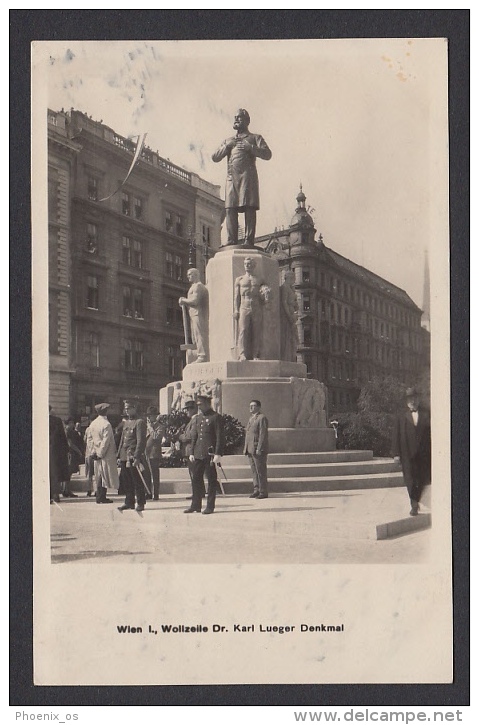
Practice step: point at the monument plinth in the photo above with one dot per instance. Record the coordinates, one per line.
(296, 406)
(221, 274)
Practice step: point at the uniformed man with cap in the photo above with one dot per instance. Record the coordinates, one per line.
(184, 437)
(411, 447)
(154, 436)
(207, 447)
(131, 453)
(104, 454)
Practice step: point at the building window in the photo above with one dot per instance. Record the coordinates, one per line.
(179, 226)
(94, 349)
(137, 254)
(307, 336)
(306, 275)
(92, 238)
(138, 207)
(175, 266)
(134, 355)
(133, 302)
(168, 221)
(306, 303)
(92, 188)
(175, 361)
(125, 203)
(206, 235)
(178, 267)
(132, 252)
(323, 279)
(92, 292)
(126, 246)
(346, 316)
(174, 315)
(170, 267)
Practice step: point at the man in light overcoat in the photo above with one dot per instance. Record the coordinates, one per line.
(104, 454)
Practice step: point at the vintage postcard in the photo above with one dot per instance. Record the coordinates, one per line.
(256, 232)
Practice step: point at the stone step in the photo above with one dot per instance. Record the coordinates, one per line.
(181, 483)
(315, 469)
(176, 480)
(314, 457)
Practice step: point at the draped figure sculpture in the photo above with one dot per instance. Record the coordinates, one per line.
(288, 315)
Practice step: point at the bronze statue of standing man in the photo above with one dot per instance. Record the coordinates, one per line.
(242, 187)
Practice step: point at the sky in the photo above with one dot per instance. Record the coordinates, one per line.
(359, 123)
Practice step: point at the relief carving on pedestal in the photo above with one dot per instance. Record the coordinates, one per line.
(188, 390)
(309, 403)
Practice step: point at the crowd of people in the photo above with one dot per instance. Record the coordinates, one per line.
(128, 458)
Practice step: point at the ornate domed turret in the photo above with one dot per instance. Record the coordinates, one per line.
(302, 225)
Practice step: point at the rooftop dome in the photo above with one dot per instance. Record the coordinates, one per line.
(301, 217)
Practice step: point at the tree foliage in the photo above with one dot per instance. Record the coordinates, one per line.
(378, 404)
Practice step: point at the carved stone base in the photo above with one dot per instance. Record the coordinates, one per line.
(228, 369)
(288, 402)
(301, 440)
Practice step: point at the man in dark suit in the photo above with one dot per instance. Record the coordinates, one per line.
(207, 445)
(59, 469)
(256, 448)
(411, 446)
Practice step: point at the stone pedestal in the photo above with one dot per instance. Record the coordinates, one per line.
(296, 407)
(221, 273)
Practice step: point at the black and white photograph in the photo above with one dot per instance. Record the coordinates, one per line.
(241, 337)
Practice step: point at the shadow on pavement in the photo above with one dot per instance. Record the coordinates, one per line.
(60, 558)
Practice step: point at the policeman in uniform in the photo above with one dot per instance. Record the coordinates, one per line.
(207, 445)
(154, 436)
(131, 454)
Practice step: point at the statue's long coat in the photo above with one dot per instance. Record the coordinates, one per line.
(242, 188)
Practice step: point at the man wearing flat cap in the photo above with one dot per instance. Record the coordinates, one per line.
(207, 447)
(104, 454)
(154, 436)
(411, 447)
(131, 453)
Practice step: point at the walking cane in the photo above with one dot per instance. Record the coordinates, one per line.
(212, 453)
(144, 482)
